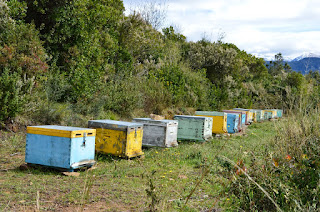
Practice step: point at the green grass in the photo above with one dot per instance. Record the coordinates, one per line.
(120, 185)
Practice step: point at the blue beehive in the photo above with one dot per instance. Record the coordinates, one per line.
(236, 123)
(231, 123)
(61, 147)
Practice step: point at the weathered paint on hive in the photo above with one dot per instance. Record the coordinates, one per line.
(273, 112)
(194, 127)
(59, 146)
(219, 120)
(119, 138)
(267, 115)
(249, 114)
(257, 115)
(237, 122)
(245, 117)
(231, 123)
(162, 133)
(241, 118)
(279, 113)
(260, 114)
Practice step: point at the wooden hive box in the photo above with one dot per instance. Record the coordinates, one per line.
(248, 114)
(273, 113)
(257, 115)
(279, 113)
(241, 118)
(219, 120)
(232, 123)
(194, 128)
(60, 146)
(260, 114)
(267, 115)
(119, 138)
(245, 116)
(161, 133)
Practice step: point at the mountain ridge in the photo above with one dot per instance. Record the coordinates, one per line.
(305, 65)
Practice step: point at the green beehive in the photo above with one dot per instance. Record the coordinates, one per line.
(267, 115)
(258, 115)
(219, 120)
(194, 128)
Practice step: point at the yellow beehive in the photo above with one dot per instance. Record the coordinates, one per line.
(254, 116)
(219, 120)
(123, 139)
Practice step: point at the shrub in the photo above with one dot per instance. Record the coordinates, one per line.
(288, 171)
(10, 100)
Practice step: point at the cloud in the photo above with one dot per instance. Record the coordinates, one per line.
(258, 27)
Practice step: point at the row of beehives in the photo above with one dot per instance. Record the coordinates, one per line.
(71, 147)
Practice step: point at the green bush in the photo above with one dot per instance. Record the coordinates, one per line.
(11, 100)
(188, 88)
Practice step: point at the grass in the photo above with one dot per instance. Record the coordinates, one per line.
(191, 172)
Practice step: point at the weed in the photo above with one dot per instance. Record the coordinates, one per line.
(151, 193)
(86, 189)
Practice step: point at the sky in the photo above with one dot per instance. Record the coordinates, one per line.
(259, 27)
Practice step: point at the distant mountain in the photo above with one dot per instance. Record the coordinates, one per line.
(305, 55)
(305, 64)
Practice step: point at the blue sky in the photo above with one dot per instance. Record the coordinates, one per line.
(260, 27)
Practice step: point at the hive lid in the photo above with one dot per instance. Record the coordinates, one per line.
(61, 131)
(193, 117)
(157, 122)
(210, 113)
(241, 109)
(112, 124)
(234, 111)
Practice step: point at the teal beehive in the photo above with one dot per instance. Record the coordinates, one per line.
(260, 113)
(279, 113)
(59, 146)
(267, 115)
(194, 128)
(257, 116)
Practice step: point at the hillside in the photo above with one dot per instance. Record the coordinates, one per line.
(305, 65)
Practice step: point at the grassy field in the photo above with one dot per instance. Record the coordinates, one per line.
(189, 177)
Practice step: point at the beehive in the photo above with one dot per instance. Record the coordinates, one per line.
(119, 138)
(241, 119)
(273, 112)
(245, 116)
(248, 114)
(267, 115)
(257, 115)
(254, 115)
(219, 120)
(260, 113)
(194, 128)
(60, 146)
(279, 113)
(162, 133)
(232, 123)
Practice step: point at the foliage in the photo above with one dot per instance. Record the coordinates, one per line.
(22, 59)
(11, 100)
(91, 56)
(287, 168)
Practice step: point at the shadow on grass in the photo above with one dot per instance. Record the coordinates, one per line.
(37, 169)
